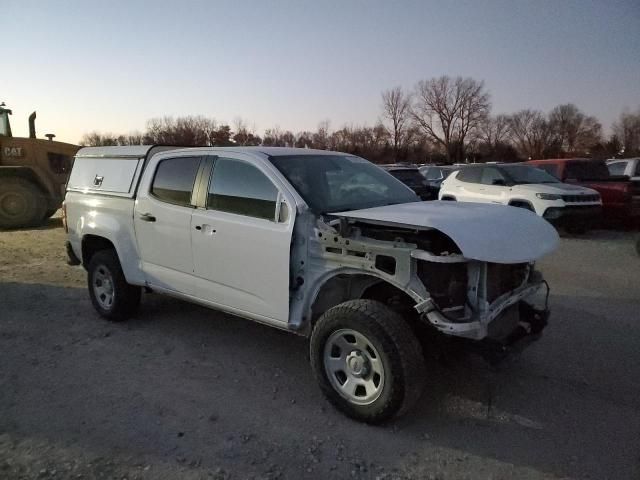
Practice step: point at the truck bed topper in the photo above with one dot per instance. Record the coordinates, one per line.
(117, 177)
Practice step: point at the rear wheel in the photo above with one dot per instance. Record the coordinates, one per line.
(22, 204)
(111, 295)
(367, 361)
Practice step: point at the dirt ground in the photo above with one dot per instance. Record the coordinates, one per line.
(184, 392)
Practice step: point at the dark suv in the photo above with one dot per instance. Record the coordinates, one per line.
(411, 177)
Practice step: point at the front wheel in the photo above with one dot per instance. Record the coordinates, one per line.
(367, 361)
(111, 295)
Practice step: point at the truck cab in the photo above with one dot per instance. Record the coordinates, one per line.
(620, 196)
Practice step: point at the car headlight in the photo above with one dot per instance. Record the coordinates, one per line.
(548, 196)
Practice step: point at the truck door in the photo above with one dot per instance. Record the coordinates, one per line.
(241, 240)
(162, 220)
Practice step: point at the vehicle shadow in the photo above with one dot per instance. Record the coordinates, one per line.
(49, 224)
(183, 383)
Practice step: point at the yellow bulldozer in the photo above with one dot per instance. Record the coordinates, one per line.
(33, 174)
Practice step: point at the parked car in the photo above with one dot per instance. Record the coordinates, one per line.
(411, 177)
(323, 244)
(527, 187)
(434, 176)
(620, 197)
(629, 167)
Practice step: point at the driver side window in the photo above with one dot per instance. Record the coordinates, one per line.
(239, 187)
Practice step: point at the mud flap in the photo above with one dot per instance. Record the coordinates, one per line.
(72, 259)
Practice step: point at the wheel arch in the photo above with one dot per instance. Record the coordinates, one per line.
(345, 284)
(514, 202)
(92, 244)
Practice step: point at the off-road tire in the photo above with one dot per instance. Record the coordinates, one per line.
(398, 348)
(22, 204)
(126, 297)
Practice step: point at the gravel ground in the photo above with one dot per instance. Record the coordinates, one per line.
(185, 392)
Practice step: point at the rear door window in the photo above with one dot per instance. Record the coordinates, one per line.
(241, 188)
(174, 179)
(490, 175)
(470, 175)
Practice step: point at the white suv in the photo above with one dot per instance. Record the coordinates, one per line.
(526, 187)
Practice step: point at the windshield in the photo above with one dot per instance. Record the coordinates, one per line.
(521, 174)
(335, 183)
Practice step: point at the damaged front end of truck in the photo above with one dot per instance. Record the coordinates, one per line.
(461, 276)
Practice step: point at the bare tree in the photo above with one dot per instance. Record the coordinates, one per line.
(447, 110)
(243, 135)
(494, 130)
(627, 130)
(396, 109)
(531, 134)
(576, 132)
(322, 137)
(97, 139)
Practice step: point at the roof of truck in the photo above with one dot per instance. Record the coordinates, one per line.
(120, 151)
(142, 150)
(562, 160)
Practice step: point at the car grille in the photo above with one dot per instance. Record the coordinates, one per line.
(580, 198)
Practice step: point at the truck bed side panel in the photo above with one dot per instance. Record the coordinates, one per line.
(109, 217)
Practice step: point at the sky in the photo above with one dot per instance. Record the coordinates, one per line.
(109, 66)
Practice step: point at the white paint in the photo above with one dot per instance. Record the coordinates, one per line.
(504, 194)
(490, 233)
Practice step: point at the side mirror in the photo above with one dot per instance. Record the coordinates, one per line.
(283, 214)
(499, 181)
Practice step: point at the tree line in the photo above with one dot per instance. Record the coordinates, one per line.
(442, 120)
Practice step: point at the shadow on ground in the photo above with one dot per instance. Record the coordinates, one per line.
(184, 386)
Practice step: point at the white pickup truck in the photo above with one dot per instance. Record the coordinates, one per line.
(320, 243)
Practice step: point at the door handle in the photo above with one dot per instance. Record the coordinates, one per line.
(147, 217)
(205, 229)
